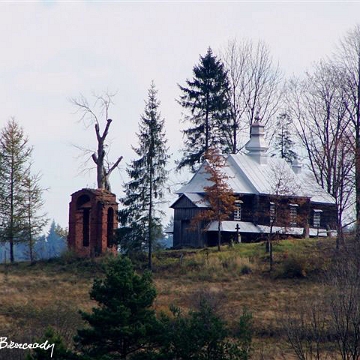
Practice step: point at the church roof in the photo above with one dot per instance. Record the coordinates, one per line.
(271, 177)
(250, 228)
(257, 173)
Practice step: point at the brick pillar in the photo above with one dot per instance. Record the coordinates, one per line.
(92, 221)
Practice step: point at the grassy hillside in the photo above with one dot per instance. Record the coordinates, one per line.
(50, 293)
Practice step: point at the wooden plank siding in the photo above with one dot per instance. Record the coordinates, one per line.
(282, 206)
(184, 235)
(255, 209)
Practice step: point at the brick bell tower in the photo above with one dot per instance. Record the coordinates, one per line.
(92, 221)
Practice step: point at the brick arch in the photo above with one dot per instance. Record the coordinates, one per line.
(92, 221)
(83, 201)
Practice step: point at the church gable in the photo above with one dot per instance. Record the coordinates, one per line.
(190, 201)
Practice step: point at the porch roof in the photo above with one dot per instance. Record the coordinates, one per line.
(249, 227)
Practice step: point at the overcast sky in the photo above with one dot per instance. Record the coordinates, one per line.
(52, 51)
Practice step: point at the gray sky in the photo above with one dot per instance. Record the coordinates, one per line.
(53, 51)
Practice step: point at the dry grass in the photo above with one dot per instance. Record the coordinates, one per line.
(219, 278)
(34, 297)
(51, 293)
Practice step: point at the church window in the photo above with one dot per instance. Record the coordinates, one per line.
(237, 211)
(293, 214)
(317, 218)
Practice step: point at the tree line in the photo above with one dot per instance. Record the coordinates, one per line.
(21, 219)
(225, 95)
(315, 118)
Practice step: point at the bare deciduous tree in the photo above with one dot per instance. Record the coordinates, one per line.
(90, 116)
(254, 87)
(347, 61)
(343, 302)
(306, 332)
(329, 322)
(284, 187)
(317, 106)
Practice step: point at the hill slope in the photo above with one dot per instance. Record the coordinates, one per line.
(50, 293)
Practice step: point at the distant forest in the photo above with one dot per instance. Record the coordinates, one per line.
(45, 247)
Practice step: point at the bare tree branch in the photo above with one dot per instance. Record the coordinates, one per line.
(89, 115)
(255, 87)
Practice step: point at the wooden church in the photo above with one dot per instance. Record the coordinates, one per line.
(272, 197)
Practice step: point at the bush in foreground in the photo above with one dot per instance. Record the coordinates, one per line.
(123, 323)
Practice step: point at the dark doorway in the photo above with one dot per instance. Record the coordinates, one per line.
(86, 227)
(110, 226)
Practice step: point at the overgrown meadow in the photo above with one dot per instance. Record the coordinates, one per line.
(51, 293)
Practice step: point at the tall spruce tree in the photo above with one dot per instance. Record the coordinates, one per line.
(283, 142)
(205, 97)
(15, 155)
(145, 190)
